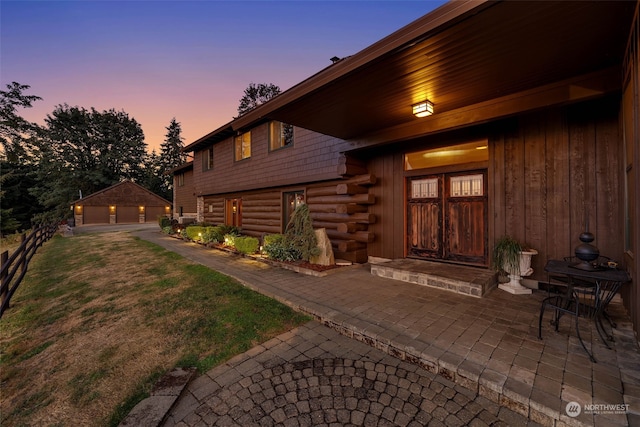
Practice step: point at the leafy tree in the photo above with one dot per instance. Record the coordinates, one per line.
(256, 94)
(86, 151)
(17, 167)
(171, 156)
(15, 130)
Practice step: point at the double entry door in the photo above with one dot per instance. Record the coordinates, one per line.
(447, 217)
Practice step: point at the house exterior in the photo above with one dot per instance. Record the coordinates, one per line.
(534, 133)
(122, 203)
(184, 200)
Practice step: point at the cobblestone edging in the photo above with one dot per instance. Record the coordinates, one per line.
(493, 385)
(314, 376)
(342, 391)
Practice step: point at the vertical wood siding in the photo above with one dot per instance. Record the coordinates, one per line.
(551, 171)
(631, 126)
(546, 171)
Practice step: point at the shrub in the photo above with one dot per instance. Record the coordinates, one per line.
(229, 229)
(212, 235)
(300, 234)
(277, 248)
(163, 221)
(194, 232)
(167, 229)
(230, 240)
(183, 233)
(272, 239)
(246, 244)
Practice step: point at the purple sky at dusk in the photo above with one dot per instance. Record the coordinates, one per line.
(190, 60)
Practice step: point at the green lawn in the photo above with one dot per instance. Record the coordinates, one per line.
(100, 317)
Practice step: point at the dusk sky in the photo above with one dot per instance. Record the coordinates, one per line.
(191, 60)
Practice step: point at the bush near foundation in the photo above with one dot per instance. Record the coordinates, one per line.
(277, 247)
(210, 234)
(246, 244)
(194, 232)
(164, 222)
(300, 234)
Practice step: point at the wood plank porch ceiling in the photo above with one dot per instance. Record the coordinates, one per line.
(461, 54)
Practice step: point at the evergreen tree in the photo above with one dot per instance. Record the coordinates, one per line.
(154, 179)
(171, 156)
(300, 234)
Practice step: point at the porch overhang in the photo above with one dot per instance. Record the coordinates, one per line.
(475, 60)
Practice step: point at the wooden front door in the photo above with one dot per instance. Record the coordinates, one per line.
(447, 217)
(233, 212)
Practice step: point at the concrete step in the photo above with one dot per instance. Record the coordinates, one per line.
(472, 281)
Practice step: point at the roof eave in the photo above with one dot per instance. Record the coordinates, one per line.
(437, 20)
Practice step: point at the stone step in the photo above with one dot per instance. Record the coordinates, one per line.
(472, 281)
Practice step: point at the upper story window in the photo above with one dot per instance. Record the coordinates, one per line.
(280, 135)
(207, 159)
(243, 146)
(180, 179)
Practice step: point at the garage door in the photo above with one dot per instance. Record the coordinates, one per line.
(96, 215)
(153, 212)
(125, 214)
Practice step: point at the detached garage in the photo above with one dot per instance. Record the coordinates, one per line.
(122, 203)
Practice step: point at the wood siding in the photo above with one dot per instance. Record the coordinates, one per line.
(127, 197)
(184, 195)
(631, 134)
(339, 206)
(546, 170)
(313, 157)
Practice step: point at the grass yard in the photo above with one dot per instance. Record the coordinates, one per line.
(100, 317)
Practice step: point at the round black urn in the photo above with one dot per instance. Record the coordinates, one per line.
(586, 252)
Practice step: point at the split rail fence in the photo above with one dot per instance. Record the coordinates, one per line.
(15, 267)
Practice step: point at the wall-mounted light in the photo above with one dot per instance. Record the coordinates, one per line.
(112, 209)
(141, 208)
(423, 109)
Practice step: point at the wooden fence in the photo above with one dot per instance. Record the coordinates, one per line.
(10, 278)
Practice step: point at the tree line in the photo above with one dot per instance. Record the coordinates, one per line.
(77, 152)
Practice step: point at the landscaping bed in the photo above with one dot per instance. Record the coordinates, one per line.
(302, 267)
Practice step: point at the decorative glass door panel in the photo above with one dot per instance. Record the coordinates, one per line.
(451, 223)
(424, 232)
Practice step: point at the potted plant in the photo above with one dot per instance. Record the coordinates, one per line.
(514, 259)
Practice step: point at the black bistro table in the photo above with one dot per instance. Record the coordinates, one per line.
(600, 283)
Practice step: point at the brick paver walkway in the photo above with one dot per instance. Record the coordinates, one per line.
(486, 345)
(315, 376)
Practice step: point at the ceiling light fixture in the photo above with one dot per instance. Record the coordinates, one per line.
(423, 109)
